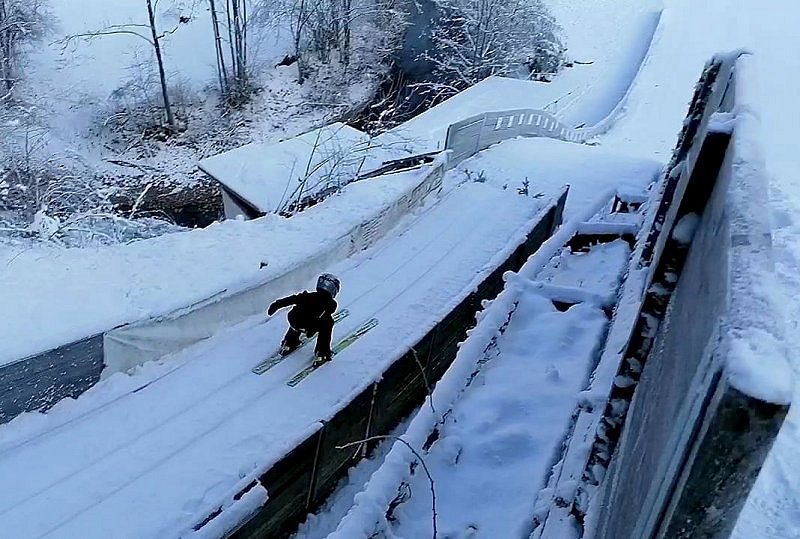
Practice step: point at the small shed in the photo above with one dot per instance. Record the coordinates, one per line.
(258, 178)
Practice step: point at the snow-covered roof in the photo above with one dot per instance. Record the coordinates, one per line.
(268, 176)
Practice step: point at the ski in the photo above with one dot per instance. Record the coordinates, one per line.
(276, 358)
(341, 345)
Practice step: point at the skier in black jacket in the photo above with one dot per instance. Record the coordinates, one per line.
(312, 313)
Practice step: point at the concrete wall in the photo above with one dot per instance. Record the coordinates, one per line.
(691, 444)
(40, 381)
(670, 436)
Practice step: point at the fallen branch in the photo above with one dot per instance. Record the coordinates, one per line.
(416, 454)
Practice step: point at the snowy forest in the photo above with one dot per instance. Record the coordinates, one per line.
(105, 110)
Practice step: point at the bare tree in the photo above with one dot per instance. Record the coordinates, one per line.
(234, 82)
(474, 39)
(156, 43)
(21, 22)
(300, 15)
(323, 28)
(150, 33)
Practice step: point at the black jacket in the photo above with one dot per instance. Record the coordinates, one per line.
(311, 309)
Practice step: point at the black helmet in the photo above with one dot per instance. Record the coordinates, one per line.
(329, 283)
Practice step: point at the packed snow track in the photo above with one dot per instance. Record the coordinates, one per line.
(170, 449)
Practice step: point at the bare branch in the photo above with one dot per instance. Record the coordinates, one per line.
(99, 33)
(419, 458)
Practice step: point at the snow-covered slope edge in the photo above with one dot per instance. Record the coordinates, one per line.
(676, 368)
(757, 356)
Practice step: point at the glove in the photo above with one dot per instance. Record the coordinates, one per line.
(272, 308)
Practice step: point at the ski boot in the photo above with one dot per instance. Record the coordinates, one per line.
(287, 349)
(321, 358)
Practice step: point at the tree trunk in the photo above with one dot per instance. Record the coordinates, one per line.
(5, 48)
(301, 15)
(157, 47)
(238, 46)
(234, 69)
(244, 35)
(221, 70)
(347, 19)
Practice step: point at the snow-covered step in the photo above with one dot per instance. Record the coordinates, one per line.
(574, 277)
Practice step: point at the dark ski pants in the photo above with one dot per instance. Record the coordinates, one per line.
(323, 330)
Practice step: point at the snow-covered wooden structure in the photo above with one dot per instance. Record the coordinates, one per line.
(258, 178)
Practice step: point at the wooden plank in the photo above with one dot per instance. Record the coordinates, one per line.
(349, 425)
(287, 484)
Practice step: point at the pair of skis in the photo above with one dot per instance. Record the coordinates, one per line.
(349, 339)
(277, 357)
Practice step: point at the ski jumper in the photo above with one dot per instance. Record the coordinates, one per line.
(312, 313)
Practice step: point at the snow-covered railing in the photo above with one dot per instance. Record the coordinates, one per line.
(652, 449)
(469, 136)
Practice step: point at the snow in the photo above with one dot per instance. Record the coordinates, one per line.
(269, 176)
(336, 507)
(177, 461)
(523, 360)
(87, 73)
(126, 283)
(685, 228)
(586, 94)
(543, 162)
(614, 36)
(120, 284)
(503, 435)
(590, 271)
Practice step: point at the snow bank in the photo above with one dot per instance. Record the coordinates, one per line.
(502, 436)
